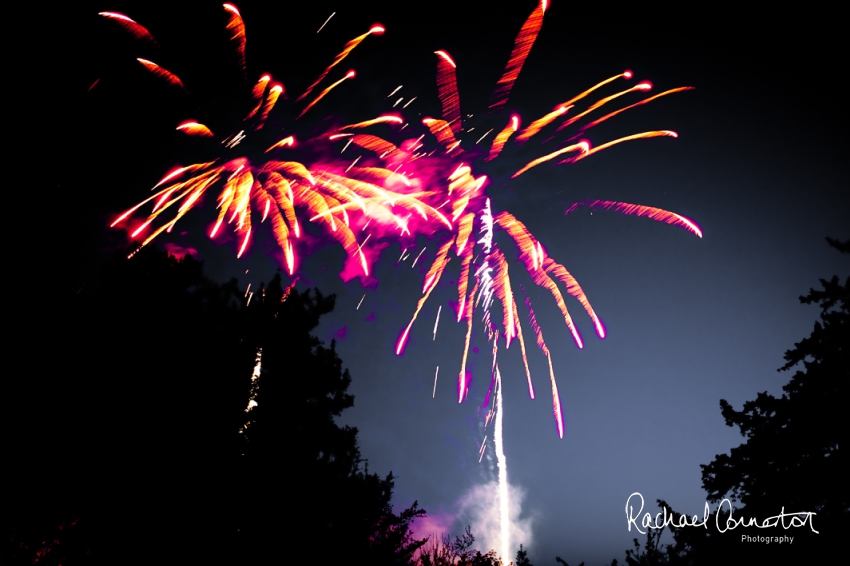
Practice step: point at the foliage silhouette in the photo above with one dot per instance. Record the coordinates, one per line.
(457, 552)
(124, 424)
(654, 553)
(126, 437)
(794, 459)
(345, 512)
(522, 558)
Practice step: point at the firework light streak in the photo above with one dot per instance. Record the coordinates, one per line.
(436, 373)
(164, 74)
(133, 27)
(326, 22)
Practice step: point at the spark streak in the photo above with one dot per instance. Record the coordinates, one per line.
(326, 22)
(436, 373)
(437, 322)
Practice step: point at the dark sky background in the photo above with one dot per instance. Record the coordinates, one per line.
(759, 163)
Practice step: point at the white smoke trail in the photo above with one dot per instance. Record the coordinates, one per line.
(501, 463)
(486, 298)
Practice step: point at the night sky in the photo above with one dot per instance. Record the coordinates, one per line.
(759, 164)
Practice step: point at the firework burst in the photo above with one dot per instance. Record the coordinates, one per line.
(395, 188)
(281, 187)
(484, 269)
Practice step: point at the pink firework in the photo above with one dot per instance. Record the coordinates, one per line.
(365, 187)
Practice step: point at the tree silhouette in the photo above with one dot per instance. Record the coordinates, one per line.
(458, 552)
(795, 454)
(125, 430)
(123, 425)
(303, 474)
(522, 558)
(654, 553)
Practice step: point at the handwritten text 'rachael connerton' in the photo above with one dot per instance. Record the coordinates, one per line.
(723, 523)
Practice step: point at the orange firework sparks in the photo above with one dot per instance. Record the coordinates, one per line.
(640, 136)
(348, 75)
(581, 147)
(136, 30)
(522, 47)
(349, 47)
(379, 120)
(257, 95)
(502, 138)
(447, 89)
(392, 189)
(271, 99)
(638, 87)
(443, 132)
(288, 141)
(597, 86)
(278, 187)
(635, 105)
(656, 214)
(161, 73)
(541, 123)
(195, 129)
(237, 32)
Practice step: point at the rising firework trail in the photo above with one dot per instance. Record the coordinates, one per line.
(502, 464)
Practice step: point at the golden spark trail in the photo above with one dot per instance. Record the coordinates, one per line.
(378, 120)
(447, 89)
(643, 135)
(257, 95)
(348, 75)
(640, 86)
(195, 129)
(597, 86)
(237, 33)
(161, 72)
(274, 94)
(470, 305)
(581, 146)
(541, 123)
(635, 105)
(522, 47)
(377, 30)
(135, 29)
(502, 138)
(657, 214)
(431, 280)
